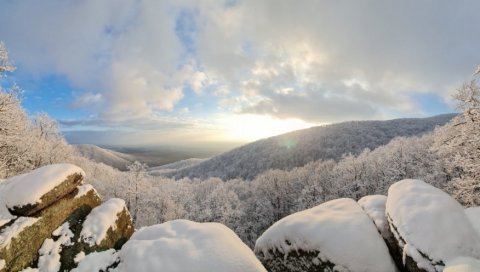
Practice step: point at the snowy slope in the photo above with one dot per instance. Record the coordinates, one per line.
(174, 166)
(300, 147)
(109, 157)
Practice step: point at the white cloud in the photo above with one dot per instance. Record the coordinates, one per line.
(88, 100)
(316, 61)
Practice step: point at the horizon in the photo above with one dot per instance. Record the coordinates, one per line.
(222, 146)
(153, 73)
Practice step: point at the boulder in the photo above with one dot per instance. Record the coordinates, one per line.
(430, 228)
(27, 194)
(107, 226)
(21, 239)
(182, 245)
(473, 215)
(463, 264)
(334, 236)
(374, 206)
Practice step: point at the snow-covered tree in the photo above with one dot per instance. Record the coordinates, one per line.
(459, 143)
(5, 62)
(137, 179)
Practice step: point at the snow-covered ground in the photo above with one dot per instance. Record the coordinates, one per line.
(174, 166)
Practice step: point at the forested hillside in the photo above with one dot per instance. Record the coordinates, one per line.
(298, 148)
(109, 157)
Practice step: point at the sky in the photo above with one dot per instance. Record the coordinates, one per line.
(133, 72)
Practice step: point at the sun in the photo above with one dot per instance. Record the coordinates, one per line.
(251, 127)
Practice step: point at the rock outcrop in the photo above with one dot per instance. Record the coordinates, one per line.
(430, 227)
(424, 229)
(48, 208)
(374, 206)
(334, 236)
(182, 245)
(50, 221)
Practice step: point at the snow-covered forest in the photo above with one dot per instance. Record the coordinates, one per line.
(446, 158)
(300, 147)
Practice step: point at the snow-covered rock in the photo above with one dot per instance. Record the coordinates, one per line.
(66, 221)
(334, 236)
(27, 194)
(374, 206)
(106, 220)
(109, 224)
(13, 230)
(473, 215)
(96, 261)
(23, 247)
(49, 260)
(182, 245)
(463, 264)
(5, 215)
(429, 226)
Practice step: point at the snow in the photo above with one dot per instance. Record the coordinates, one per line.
(84, 189)
(463, 264)
(29, 188)
(49, 260)
(340, 230)
(100, 219)
(473, 214)
(374, 206)
(79, 257)
(29, 269)
(182, 245)
(5, 215)
(422, 216)
(96, 261)
(13, 230)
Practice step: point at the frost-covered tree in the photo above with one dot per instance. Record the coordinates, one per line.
(14, 124)
(15, 146)
(137, 179)
(5, 62)
(459, 144)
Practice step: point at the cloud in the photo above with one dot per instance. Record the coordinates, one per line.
(318, 61)
(87, 100)
(396, 49)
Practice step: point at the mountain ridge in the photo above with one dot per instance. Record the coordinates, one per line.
(297, 148)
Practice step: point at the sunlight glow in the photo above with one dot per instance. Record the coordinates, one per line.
(250, 127)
